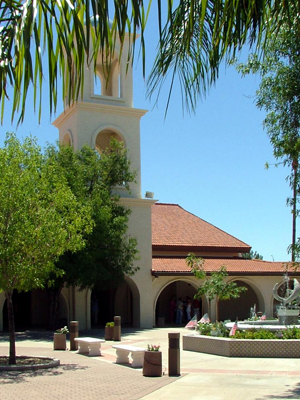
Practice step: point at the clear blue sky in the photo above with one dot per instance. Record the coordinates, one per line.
(210, 163)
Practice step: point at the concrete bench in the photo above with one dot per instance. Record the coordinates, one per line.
(137, 354)
(89, 345)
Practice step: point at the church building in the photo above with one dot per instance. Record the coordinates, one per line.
(165, 233)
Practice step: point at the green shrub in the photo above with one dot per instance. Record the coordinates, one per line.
(223, 331)
(291, 333)
(204, 329)
(256, 334)
(218, 327)
(264, 334)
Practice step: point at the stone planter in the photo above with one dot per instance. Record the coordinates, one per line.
(60, 341)
(109, 333)
(152, 363)
(227, 347)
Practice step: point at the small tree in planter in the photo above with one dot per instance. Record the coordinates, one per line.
(213, 286)
(109, 331)
(60, 338)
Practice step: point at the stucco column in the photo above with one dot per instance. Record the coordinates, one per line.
(83, 308)
(146, 304)
(139, 226)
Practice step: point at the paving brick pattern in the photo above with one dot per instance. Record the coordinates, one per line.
(203, 376)
(78, 377)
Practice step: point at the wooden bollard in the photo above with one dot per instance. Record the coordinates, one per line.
(117, 329)
(174, 354)
(73, 334)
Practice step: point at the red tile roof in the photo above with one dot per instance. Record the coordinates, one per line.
(172, 226)
(177, 266)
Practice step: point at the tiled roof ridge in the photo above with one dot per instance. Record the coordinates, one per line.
(266, 261)
(171, 266)
(224, 259)
(196, 216)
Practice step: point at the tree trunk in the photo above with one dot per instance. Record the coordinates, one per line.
(54, 294)
(209, 308)
(11, 327)
(294, 210)
(217, 309)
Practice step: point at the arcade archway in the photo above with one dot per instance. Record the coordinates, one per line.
(164, 310)
(102, 306)
(122, 301)
(240, 307)
(31, 310)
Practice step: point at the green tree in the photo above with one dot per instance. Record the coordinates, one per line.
(252, 255)
(46, 38)
(40, 219)
(279, 96)
(213, 287)
(109, 252)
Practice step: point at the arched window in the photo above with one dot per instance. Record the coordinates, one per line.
(67, 141)
(97, 86)
(103, 139)
(107, 83)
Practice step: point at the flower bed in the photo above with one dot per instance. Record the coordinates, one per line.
(222, 346)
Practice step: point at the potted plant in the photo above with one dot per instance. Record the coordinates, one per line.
(152, 361)
(109, 331)
(60, 338)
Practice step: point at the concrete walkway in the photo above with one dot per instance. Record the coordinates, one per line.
(203, 376)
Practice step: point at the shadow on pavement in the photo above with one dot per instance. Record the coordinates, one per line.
(289, 394)
(7, 377)
(47, 336)
(38, 336)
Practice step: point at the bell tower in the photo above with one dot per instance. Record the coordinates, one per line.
(105, 110)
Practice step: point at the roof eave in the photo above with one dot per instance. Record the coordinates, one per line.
(197, 249)
(230, 273)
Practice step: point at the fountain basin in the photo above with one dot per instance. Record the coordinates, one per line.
(228, 347)
(272, 325)
(288, 316)
(287, 312)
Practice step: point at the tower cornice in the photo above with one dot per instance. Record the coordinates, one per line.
(104, 108)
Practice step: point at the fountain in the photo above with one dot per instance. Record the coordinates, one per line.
(287, 293)
(287, 312)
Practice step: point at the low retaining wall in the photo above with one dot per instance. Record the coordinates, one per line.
(228, 347)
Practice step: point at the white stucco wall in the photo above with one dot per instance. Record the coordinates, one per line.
(82, 308)
(140, 228)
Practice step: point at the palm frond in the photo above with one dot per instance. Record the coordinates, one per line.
(199, 35)
(43, 39)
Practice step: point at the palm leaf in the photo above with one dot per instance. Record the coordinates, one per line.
(199, 35)
(42, 39)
